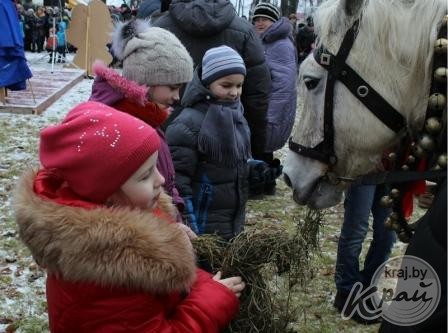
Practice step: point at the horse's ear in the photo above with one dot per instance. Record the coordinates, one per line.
(351, 7)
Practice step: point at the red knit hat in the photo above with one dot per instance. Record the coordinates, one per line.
(96, 149)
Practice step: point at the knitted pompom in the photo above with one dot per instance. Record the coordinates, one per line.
(124, 32)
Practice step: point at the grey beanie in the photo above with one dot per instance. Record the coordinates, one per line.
(151, 56)
(221, 61)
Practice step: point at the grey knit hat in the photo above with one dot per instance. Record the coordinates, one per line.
(221, 61)
(150, 55)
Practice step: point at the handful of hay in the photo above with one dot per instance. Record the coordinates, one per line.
(272, 260)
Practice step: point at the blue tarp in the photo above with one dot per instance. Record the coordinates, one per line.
(14, 70)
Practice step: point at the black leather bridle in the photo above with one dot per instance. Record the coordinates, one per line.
(400, 176)
(338, 70)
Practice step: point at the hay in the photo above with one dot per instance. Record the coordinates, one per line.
(310, 229)
(272, 261)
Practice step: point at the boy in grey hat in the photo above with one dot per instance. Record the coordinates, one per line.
(210, 145)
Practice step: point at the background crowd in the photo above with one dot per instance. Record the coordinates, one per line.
(39, 23)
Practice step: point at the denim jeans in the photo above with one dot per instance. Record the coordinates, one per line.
(359, 202)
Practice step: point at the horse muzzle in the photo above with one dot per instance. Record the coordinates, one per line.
(317, 195)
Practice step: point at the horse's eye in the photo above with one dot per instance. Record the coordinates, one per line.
(311, 83)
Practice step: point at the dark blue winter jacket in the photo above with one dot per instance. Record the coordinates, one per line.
(215, 196)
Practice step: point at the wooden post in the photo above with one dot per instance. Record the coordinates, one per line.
(87, 50)
(32, 92)
(88, 36)
(3, 95)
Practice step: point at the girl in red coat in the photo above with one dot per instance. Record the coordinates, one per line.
(96, 217)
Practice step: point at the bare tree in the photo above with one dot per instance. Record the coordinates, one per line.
(288, 6)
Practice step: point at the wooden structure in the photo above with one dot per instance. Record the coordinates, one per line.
(43, 89)
(2, 95)
(90, 31)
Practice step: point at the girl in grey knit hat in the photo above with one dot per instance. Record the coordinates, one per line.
(155, 66)
(153, 57)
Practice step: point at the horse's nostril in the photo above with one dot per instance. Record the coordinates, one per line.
(287, 180)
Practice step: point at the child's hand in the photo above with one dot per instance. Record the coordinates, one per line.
(234, 283)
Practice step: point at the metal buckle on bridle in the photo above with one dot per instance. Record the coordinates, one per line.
(325, 59)
(362, 91)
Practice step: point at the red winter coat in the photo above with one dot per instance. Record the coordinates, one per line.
(116, 270)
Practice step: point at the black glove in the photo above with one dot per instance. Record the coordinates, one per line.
(275, 171)
(258, 170)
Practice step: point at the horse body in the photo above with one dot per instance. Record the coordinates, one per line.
(392, 52)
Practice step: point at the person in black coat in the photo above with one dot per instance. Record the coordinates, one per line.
(147, 8)
(30, 30)
(305, 39)
(203, 24)
(429, 244)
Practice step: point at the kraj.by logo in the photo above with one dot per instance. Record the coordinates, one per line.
(408, 290)
(405, 291)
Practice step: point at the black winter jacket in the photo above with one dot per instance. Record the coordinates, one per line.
(215, 196)
(429, 243)
(203, 24)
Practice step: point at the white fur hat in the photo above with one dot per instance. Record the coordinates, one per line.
(150, 55)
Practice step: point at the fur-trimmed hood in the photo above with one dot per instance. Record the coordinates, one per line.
(109, 86)
(116, 247)
(281, 29)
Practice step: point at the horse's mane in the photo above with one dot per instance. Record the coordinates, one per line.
(395, 33)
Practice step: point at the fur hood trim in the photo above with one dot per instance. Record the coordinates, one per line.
(128, 88)
(117, 247)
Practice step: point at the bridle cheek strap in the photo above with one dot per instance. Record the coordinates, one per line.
(339, 70)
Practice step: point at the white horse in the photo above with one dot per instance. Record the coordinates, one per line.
(393, 53)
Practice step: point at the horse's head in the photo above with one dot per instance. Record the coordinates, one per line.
(393, 55)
